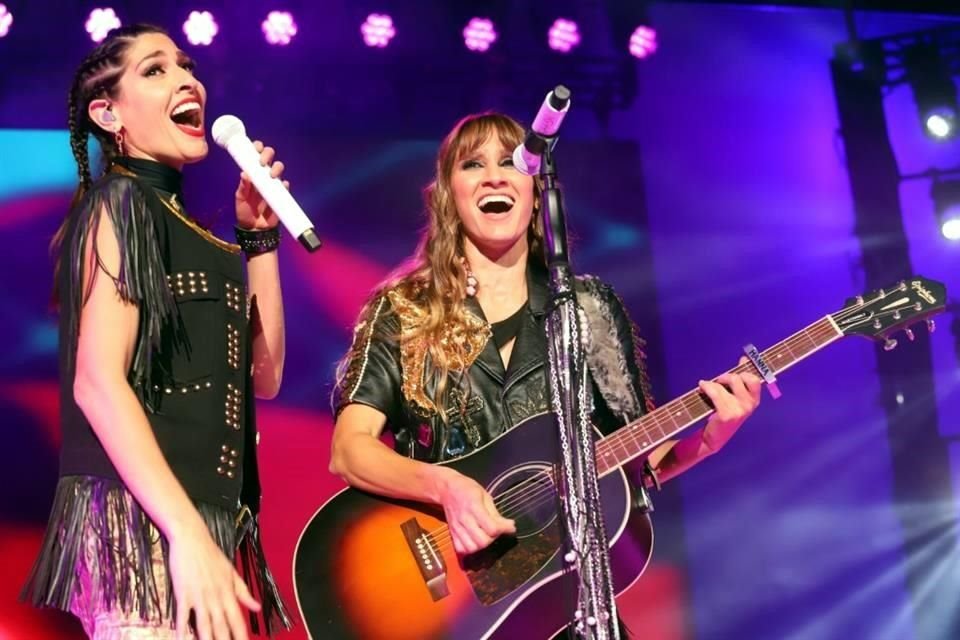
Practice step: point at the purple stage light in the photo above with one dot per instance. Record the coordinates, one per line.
(200, 27)
(643, 42)
(279, 27)
(378, 30)
(6, 19)
(101, 22)
(479, 34)
(563, 35)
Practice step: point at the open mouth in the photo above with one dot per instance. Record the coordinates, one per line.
(188, 117)
(495, 204)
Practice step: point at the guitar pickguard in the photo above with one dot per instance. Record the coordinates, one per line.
(528, 495)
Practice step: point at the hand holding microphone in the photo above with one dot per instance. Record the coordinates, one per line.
(228, 132)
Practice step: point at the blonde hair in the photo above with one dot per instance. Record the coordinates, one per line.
(434, 277)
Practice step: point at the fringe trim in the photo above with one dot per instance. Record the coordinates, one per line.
(607, 353)
(142, 277)
(274, 615)
(125, 539)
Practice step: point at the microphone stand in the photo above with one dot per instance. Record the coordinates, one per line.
(595, 617)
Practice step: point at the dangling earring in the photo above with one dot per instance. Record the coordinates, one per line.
(472, 283)
(118, 139)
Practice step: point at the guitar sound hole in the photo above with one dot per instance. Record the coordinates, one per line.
(528, 495)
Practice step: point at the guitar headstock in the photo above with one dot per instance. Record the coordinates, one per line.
(881, 313)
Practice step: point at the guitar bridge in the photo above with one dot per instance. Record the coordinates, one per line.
(428, 558)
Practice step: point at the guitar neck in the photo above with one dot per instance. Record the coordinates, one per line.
(641, 436)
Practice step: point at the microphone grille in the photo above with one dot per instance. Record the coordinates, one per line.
(226, 127)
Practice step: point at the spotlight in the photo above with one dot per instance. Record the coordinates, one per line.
(378, 30)
(940, 123)
(933, 89)
(101, 22)
(479, 34)
(6, 19)
(946, 202)
(643, 42)
(200, 28)
(279, 27)
(563, 35)
(631, 28)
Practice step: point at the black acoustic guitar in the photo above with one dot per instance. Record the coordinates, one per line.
(376, 568)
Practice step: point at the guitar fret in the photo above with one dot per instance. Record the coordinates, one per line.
(638, 438)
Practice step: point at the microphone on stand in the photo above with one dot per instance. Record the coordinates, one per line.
(527, 156)
(228, 132)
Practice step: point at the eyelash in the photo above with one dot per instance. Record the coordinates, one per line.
(189, 65)
(469, 164)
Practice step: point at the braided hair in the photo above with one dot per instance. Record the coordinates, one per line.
(97, 76)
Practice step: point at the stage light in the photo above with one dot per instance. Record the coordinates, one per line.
(946, 203)
(378, 30)
(643, 42)
(200, 28)
(479, 34)
(563, 35)
(933, 89)
(941, 123)
(101, 22)
(6, 19)
(279, 27)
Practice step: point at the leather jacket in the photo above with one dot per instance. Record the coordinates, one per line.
(389, 374)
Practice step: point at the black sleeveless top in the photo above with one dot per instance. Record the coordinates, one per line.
(190, 371)
(192, 359)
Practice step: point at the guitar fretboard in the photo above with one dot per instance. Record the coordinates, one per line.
(641, 436)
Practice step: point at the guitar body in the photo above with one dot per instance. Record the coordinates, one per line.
(357, 574)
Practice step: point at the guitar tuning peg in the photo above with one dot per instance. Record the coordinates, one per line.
(889, 344)
(931, 325)
(909, 333)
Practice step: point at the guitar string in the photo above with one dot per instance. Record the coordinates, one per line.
(523, 498)
(688, 401)
(519, 498)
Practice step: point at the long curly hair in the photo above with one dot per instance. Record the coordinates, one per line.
(434, 277)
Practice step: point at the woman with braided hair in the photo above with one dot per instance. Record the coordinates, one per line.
(164, 340)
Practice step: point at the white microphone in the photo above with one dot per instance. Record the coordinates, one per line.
(526, 157)
(228, 132)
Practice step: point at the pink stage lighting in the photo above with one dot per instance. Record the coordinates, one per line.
(479, 34)
(6, 19)
(564, 35)
(101, 22)
(279, 27)
(378, 30)
(200, 27)
(643, 42)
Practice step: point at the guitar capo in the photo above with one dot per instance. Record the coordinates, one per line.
(765, 371)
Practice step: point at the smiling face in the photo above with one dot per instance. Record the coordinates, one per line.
(159, 104)
(493, 200)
